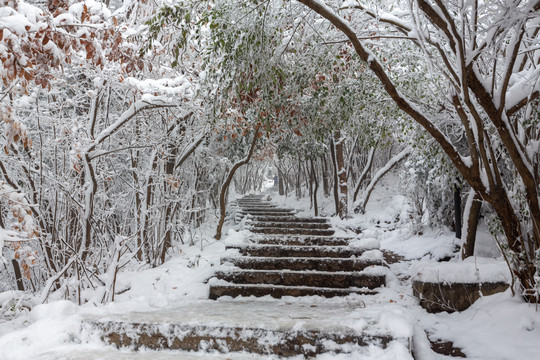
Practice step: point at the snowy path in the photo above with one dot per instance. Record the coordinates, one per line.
(498, 327)
(292, 326)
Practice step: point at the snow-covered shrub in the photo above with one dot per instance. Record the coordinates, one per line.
(428, 181)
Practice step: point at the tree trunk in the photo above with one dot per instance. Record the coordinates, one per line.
(325, 175)
(281, 185)
(310, 189)
(336, 180)
(471, 215)
(227, 182)
(316, 187)
(457, 210)
(341, 176)
(523, 263)
(18, 276)
(367, 169)
(298, 182)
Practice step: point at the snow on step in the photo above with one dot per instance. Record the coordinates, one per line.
(260, 327)
(299, 251)
(303, 240)
(269, 209)
(287, 219)
(301, 263)
(292, 225)
(218, 290)
(304, 278)
(292, 231)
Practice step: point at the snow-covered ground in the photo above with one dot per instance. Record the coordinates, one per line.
(495, 327)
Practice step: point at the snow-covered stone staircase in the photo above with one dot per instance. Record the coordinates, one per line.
(288, 256)
(295, 256)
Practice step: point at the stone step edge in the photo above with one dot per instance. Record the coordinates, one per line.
(282, 258)
(290, 242)
(224, 288)
(302, 272)
(289, 225)
(286, 230)
(257, 237)
(259, 209)
(257, 218)
(198, 337)
(299, 247)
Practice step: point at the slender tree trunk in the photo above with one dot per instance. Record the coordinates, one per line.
(281, 185)
(315, 189)
(367, 169)
(325, 175)
(138, 204)
(310, 187)
(18, 276)
(298, 182)
(148, 247)
(227, 182)
(90, 183)
(341, 176)
(336, 180)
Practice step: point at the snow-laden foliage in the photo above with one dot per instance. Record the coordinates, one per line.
(107, 147)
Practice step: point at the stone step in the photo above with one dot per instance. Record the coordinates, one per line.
(250, 204)
(303, 240)
(278, 291)
(257, 207)
(231, 340)
(339, 280)
(288, 219)
(245, 327)
(292, 231)
(269, 209)
(301, 263)
(293, 225)
(297, 251)
(282, 213)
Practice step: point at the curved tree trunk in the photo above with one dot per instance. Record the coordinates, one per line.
(367, 169)
(227, 182)
(361, 206)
